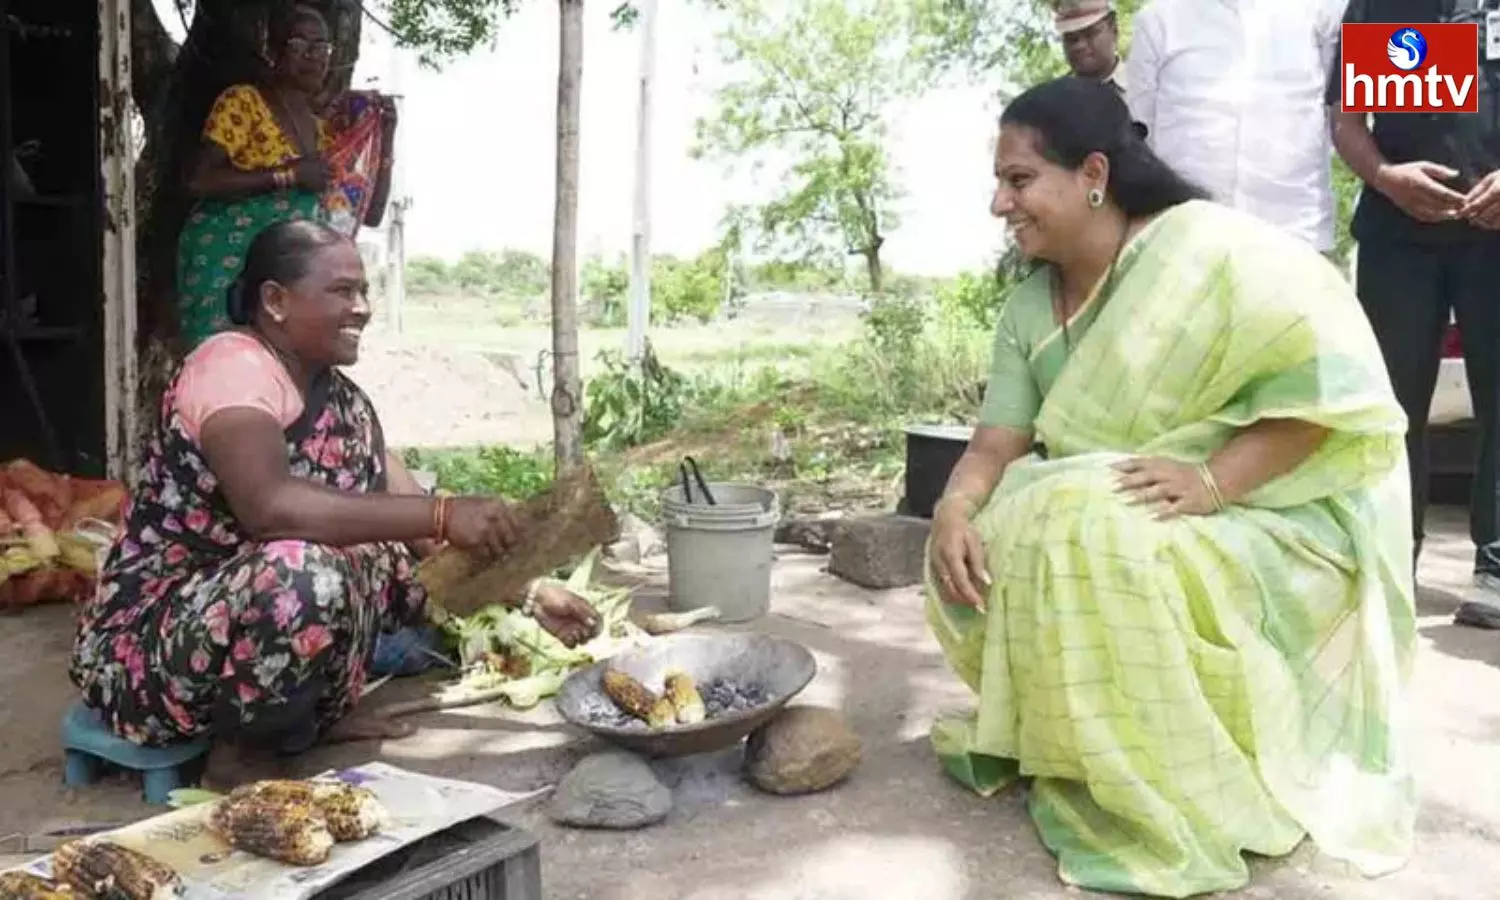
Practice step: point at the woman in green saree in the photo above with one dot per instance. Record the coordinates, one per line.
(264, 159)
(1174, 563)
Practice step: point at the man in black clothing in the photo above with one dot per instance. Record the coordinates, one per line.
(1428, 227)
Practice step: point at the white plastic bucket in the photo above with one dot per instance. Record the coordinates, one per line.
(720, 554)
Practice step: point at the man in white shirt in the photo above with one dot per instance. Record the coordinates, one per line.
(1231, 94)
(1090, 37)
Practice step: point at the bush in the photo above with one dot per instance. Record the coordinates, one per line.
(509, 274)
(975, 298)
(428, 275)
(510, 473)
(625, 407)
(681, 290)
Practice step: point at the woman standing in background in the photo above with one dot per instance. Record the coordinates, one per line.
(268, 155)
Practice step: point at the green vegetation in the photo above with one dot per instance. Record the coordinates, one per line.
(814, 82)
(823, 423)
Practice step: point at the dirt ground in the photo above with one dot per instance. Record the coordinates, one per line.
(428, 395)
(898, 829)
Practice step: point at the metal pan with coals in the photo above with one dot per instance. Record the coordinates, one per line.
(778, 667)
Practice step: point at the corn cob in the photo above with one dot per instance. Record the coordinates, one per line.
(26, 886)
(106, 869)
(663, 713)
(630, 695)
(292, 832)
(686, 702)
(353, 813)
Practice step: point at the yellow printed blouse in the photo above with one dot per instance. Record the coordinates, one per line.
(242, 123)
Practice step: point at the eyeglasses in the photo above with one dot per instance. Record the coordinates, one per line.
(298, 46)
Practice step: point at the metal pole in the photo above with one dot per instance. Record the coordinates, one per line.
(395, 261)
(640, 244)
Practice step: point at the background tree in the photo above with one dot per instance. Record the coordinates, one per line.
(813, 82)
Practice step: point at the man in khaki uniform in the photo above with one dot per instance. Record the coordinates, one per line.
(1091, 40)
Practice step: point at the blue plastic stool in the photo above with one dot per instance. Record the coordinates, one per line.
(88, 743)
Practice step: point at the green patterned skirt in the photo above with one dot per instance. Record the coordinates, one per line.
(211, 252)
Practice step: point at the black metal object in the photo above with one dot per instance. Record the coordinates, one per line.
(51, 364)
(931, 453)
(10, 303)
(688, 463)
(782, 668)
(481, 859)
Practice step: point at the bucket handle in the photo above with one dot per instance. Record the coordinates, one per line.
(759, 521)
(687, 489)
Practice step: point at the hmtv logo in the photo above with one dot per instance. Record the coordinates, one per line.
(1390, 67)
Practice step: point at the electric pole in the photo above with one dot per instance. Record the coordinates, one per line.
(639, 313)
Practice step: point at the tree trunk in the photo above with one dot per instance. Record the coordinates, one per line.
(174, 88)
(873, 267)
(567, 413)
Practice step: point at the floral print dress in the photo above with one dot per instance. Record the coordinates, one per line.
(197, 630)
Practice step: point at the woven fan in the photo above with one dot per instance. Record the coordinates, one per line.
(556, 527)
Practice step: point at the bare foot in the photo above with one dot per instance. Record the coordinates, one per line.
(367, 727)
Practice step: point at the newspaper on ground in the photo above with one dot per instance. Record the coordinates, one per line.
(417, 806)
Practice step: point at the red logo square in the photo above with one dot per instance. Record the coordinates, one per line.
(1388, 67)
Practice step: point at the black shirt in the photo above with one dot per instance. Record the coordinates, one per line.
(1467, 142)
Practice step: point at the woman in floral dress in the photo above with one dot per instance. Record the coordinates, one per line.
(271, 538)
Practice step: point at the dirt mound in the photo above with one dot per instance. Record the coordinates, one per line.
(431, 396)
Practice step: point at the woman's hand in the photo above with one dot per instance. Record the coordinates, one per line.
(958, 554)
(1177, 489)
(481, 523)
(313, 173)
(566, 616)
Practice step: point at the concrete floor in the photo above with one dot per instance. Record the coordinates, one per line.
(897, 829)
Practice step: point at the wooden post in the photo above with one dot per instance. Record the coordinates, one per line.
(567, 392)
(640, 243)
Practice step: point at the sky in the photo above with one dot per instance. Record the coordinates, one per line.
(476, 147)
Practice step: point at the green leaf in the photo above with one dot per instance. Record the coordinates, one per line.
(185, 797)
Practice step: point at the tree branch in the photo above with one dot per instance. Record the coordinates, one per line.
(152, 55)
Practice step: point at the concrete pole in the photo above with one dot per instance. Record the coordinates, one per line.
(395, 236)
(639, 311)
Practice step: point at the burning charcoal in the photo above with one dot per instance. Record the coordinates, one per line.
(723, 697)
(600, 710)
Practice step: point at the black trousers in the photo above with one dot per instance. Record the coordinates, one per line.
(1407, 291)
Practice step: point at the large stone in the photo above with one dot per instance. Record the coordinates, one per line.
(805, 749)
(613, 789)
(638, 541)
(813, 533)
(880, 551)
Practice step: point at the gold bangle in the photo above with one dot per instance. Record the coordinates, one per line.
(1211, 483)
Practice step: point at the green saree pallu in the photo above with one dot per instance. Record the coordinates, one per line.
(1183, 692)
(211, 252)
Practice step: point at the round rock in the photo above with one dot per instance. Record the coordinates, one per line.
(610, 790)
(805, 749)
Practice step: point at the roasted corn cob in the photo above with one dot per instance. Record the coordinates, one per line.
(353, 813)
(630, 695)
(98, 868)
(292, 832)
(26, 886)
(686, 702)
(663, 713)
